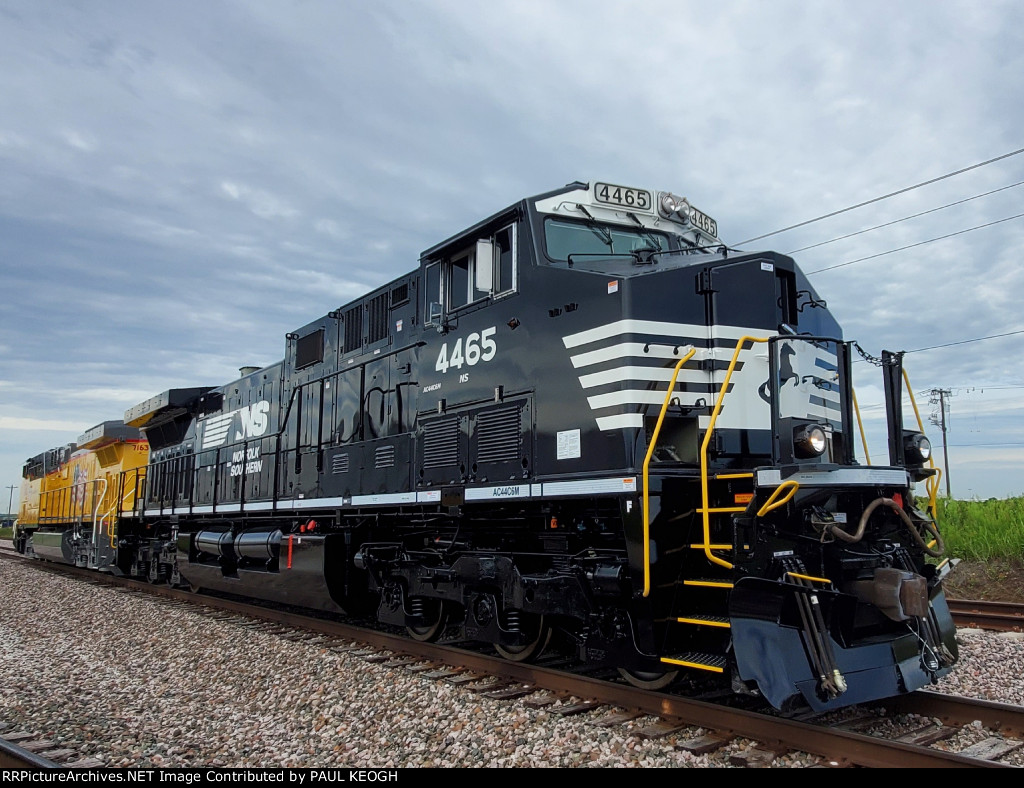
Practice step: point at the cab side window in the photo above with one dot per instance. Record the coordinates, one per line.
(463, 281)
(504, 260)
(486, 269)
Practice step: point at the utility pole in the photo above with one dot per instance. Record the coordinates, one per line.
(940, 396)
(10, 500)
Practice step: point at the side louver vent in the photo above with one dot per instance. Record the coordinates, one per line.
(339, 463)
(353, 328)
(498, 435)
(378, 320)
(399, 295)
(384, 457)
(441, 443)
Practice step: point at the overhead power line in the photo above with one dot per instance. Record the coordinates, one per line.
(951, 344)
(883, 197)
(962, 445)
(965, 341)
(905, 218)
(911, 246)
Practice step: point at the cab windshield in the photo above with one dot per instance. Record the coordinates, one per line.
(590, 241)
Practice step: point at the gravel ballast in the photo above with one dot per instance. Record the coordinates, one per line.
(134, 682)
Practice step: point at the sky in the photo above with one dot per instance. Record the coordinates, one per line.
(182, 184)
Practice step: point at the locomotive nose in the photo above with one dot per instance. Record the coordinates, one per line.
(770, 644)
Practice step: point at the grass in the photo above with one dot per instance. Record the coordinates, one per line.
(6, 533)
(982, 530)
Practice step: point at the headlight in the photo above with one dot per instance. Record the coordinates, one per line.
(672, 207)
(809, 441)
(916, 448)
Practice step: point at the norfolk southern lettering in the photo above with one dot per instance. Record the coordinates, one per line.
(582, 414)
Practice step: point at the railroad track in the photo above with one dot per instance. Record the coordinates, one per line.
(696, 725)
(999, 616)
(24, 750)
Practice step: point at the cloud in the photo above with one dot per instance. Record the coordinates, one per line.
(259, 201)
(78, 140)
(182, 185)
(38, 425)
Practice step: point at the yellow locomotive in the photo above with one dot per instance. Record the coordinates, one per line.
(74, 496)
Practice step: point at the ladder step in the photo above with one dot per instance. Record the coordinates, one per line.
(715, 663)
(703, 619)
(708, 582)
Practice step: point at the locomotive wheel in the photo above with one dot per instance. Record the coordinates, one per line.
(435, 616)
(533, 625)
(649, 680)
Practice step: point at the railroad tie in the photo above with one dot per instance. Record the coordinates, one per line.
(660, 729)
(992, 748)
(617, 718)
(702, 745)
(755, 757)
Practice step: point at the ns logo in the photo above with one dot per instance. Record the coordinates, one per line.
(253, 421)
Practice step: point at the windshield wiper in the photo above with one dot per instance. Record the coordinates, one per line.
(647, 234)
(599, 230)
(645, 256)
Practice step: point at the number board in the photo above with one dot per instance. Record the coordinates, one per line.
(622, 196)
(703, 222)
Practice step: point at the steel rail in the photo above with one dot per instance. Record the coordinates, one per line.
(985, 614)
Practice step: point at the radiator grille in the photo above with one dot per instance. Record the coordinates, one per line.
(339, 463)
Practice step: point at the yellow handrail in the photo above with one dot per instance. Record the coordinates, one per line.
(771, 503)
(97, 503)
(931, 484)
(704, 450)
(647, 463)
(860, 426)
(112, 516)
(118, 507)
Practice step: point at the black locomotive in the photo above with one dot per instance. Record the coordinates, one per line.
(583, 416)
